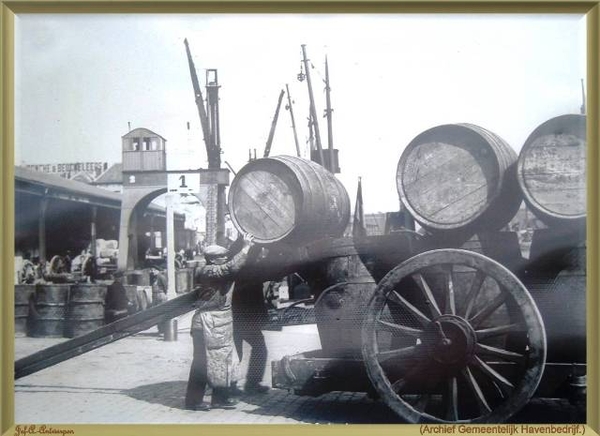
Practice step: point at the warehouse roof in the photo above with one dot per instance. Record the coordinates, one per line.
(36, 182)
(112, 175)
(59, 183)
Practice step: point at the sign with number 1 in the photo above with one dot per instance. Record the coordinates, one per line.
(183, 182)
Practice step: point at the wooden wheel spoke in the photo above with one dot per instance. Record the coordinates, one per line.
(450, 307)
(476, 285)
(503, 391)
(493, 374)
(452, 400)
(399, 328)
(499, 330)
(410, 352)
(499, 352)
(429, 298)
(488, 310)
(477, 392)
(400, 300)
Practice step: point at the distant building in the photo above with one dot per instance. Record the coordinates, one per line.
(152, 147)
(54, 215)
(81, 171)
(375, 224)
(111, 179)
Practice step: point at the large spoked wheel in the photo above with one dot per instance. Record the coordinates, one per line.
(453, 336)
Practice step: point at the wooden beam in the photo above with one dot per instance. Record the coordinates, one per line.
(105, 335)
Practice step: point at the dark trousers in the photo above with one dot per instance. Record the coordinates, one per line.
(251, 333)
(198, 377)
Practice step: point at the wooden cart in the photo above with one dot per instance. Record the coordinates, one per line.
(444, 333)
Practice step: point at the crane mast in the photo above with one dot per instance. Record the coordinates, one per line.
(313, 110)
(212, 103)
(289, 106)
(328, 113)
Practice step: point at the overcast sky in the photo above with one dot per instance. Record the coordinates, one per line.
(82, 78)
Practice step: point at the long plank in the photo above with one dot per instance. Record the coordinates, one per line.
(105, 335)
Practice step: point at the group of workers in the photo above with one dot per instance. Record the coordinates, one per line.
(230, 310)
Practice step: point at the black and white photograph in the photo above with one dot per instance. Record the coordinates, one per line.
(300, 218)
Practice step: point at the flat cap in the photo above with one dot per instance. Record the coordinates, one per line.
(214, 251)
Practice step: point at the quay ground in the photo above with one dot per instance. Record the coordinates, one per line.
(142, 380)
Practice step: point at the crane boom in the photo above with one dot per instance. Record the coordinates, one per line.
(273, 125)
(199, 100)
(289, 106)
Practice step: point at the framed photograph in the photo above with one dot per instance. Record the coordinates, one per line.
(279, 213)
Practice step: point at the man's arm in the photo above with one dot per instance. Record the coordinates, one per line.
(232, 266)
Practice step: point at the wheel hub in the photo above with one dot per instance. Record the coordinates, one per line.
(450, 340)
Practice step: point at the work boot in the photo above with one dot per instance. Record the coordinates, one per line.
(201, 407)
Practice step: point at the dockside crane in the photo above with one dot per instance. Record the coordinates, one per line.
(333, 161)
(273, 125)
(328, 160)
(313, 109)
(209, 120)
(199, 101)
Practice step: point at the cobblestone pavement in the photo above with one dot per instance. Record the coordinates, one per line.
(142, 379)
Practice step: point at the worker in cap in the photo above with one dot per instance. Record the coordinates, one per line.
(216, 252)
(214, 360)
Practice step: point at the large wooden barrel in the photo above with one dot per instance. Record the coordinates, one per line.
(459, 177)
(86, 309)
(47, 310)
(551, 170)
(285, 198)
(22, 294)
